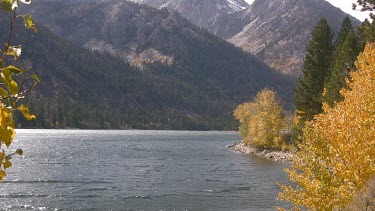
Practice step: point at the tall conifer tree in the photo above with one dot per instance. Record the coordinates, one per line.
(343, 61)
(307, 96)
(366, 33)
(308, 92)
(346, 27)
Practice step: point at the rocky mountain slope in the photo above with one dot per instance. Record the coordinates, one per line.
(281, 39)
(195, 84)
(276, 31)
(202, 13)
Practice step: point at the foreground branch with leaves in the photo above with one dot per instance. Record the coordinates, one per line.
(336, 158)
(14, 84)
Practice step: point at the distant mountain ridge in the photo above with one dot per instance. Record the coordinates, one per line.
(202, 13)
(220, 6)
(276, 31)
(195, 84)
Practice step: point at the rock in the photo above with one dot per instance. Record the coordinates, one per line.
(279, 156)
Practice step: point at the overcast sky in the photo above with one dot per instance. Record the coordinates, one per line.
(344, 5)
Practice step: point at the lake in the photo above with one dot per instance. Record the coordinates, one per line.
(137, 170)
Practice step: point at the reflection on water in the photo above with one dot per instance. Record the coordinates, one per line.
(136, 170)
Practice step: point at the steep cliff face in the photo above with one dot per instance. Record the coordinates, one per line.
(276, 31)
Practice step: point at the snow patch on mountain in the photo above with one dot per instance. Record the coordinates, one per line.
(250, 1)
(231, 6)
(234, 5)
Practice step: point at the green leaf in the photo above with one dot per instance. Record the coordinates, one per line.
(29, 22)
(7, 164)
(6, 76)
(12, 103)
(19, 152)
(36, 77)
(13, 87)
(6, 5)
(25, 111)
(14, 69)
(3, 92)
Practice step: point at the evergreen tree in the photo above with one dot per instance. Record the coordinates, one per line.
(342, 63)
(307, 95)
(308, 92)
(366, 33)
(346, 27)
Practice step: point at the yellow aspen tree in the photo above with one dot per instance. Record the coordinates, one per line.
(267, 121)
(14, 83)
(261, 120)
(337, 158)
(243, 115)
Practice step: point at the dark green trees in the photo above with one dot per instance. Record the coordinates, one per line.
(307, 96)
(345, 54)
(308, 92)
(326, 69)
(366, 33)
(346, 27)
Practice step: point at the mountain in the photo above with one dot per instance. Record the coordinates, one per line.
(202, 13)
(276, 31)
(87, 24)
(281, 39)
(196, 83)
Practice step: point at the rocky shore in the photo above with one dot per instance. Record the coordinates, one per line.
(279, 156)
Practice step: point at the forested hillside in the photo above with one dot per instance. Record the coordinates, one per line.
(198, 90)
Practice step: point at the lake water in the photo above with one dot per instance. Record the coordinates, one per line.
(137, 170)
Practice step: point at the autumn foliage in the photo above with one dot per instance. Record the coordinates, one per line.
(261, 120)
(14, 84)
(337, 157)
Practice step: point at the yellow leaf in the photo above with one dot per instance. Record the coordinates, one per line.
(336, 159)
(25, 111)
(6, 76)
(7, 135)
(3, 92)
(14, 69)
(29, 23)
(13, 87)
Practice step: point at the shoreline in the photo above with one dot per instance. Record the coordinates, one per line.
(278, 156)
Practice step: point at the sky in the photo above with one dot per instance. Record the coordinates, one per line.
(344, 5)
